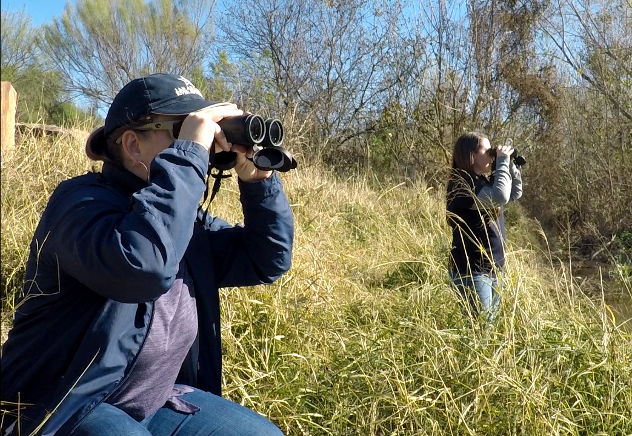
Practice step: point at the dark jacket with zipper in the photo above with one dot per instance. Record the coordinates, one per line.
(475, 205)
(107, 246)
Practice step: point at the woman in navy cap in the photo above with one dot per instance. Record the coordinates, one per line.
(118, 330)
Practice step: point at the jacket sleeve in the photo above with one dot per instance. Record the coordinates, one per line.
(260, 250)
(129, 253)
(516, 182)
(499, 193)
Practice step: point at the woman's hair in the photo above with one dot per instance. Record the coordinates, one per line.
(464, 149)
(462, 175)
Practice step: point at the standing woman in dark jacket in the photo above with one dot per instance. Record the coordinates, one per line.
(118, 330)
(475, 203)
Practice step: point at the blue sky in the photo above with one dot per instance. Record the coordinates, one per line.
(40, 11)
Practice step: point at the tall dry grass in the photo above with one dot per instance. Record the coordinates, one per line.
(30, 173)
(364, 335)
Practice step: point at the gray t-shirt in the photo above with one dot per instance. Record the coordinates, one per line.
(150, 385)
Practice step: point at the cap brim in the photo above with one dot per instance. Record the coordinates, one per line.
(185, 107)
(96, 144)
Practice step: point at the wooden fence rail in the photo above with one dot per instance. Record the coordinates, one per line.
(10, 127)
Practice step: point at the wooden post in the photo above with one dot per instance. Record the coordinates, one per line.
(9, 105)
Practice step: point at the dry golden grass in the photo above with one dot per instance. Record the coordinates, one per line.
(364, 336)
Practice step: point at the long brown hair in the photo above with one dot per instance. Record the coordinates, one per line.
(464, 149)
(462, 174)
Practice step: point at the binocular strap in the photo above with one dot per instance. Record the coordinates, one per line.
(216, 185)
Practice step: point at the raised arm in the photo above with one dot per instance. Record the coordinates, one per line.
(128, 252)
(259, 251)
(499, 193)
(516, 182)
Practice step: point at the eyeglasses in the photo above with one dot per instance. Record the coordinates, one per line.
(173, 127)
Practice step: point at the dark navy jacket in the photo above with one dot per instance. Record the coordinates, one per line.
(106, 247)
(475, 206)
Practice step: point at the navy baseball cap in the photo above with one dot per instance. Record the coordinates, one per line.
(159, 93)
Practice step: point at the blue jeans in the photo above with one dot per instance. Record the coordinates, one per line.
(480, 294)
(217, 416)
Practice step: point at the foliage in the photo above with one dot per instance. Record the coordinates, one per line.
(100, 45)
(42, 96)
(39, 92)
(364, 336)
(622, 254)
(384, 88)
(334, 78)
(29, 175)
(18, 40)
(579, 184)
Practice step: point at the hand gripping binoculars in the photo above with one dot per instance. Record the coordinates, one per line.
(515, 157)
(264, 136)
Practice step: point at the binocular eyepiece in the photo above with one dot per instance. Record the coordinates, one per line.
(515, 157)
(492, 152)
(264, 136)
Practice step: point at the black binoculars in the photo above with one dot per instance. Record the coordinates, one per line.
(515, 157)
(264, 136)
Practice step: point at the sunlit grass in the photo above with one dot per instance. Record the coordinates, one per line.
(364, 335)
(30, 173)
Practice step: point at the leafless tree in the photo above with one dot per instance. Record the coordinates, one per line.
(336, 63)
(18, 41)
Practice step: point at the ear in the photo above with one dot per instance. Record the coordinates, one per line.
(130, 145)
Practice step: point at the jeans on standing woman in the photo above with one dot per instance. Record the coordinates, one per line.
(480, 293)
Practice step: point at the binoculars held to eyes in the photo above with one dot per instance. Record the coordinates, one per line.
(515, 157)
(264, 136)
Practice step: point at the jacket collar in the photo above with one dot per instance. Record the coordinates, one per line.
(116, 175)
